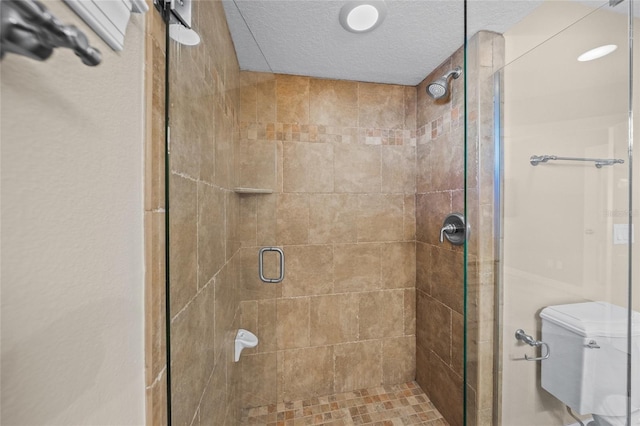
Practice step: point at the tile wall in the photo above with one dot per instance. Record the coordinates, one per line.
(342, 159)
(440, 190)
(440, 266)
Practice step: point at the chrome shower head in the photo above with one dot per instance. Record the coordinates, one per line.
(440, 88)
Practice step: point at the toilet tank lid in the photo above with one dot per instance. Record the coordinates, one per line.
(592, 319)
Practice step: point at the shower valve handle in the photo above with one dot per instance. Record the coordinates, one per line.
(449, 228)
(454, 229)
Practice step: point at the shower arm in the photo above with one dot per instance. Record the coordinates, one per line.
(455, 73)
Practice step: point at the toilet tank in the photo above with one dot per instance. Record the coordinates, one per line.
(587, 366)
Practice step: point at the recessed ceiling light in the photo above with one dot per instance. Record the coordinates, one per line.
(598, 52)
(362, 16)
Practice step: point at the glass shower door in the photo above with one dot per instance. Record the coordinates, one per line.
(551, 202)
(214, 294)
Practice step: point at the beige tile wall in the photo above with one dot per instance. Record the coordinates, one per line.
(343, 210)
(440, 267)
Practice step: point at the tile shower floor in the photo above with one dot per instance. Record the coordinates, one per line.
(396, 405)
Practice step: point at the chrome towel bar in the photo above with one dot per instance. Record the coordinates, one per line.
(537, 159)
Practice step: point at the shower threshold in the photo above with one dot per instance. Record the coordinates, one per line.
(395, 405)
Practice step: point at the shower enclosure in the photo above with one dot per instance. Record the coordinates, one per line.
(324, 170)
(355, 197)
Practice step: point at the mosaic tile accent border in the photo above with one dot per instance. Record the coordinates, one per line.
(326, 134)
(450, 120)
(393, 405)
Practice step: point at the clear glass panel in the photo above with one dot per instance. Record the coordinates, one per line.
(551, 234)
(214, 287)
(634, 190)
(440, 264)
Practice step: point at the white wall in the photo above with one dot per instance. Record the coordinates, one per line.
(72, 335)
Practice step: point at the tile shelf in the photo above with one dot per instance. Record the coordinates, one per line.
(252, 191)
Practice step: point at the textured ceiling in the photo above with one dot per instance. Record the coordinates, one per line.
(304, 37)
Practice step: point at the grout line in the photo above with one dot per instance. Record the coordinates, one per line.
(380, 340)
(255, 203)
(256, 105)
(184, 175)
(200, 290)
(158, 377)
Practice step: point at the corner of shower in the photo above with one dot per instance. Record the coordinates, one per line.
(482, 182)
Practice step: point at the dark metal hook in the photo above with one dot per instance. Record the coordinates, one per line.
(29, 29)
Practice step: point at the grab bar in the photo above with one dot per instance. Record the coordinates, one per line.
(529, 340)
(278, 279)
(537, 159)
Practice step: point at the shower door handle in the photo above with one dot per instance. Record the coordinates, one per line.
(278, 279)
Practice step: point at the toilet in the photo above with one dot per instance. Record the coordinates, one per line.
(587, 366)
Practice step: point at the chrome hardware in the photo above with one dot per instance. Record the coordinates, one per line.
(446, 229)
(576, 418)
(454, 229)
(261, 265)
(529, 340)
(181, 9)
(592, 344)
(523, 337)
(29, 29)
(537, 159)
